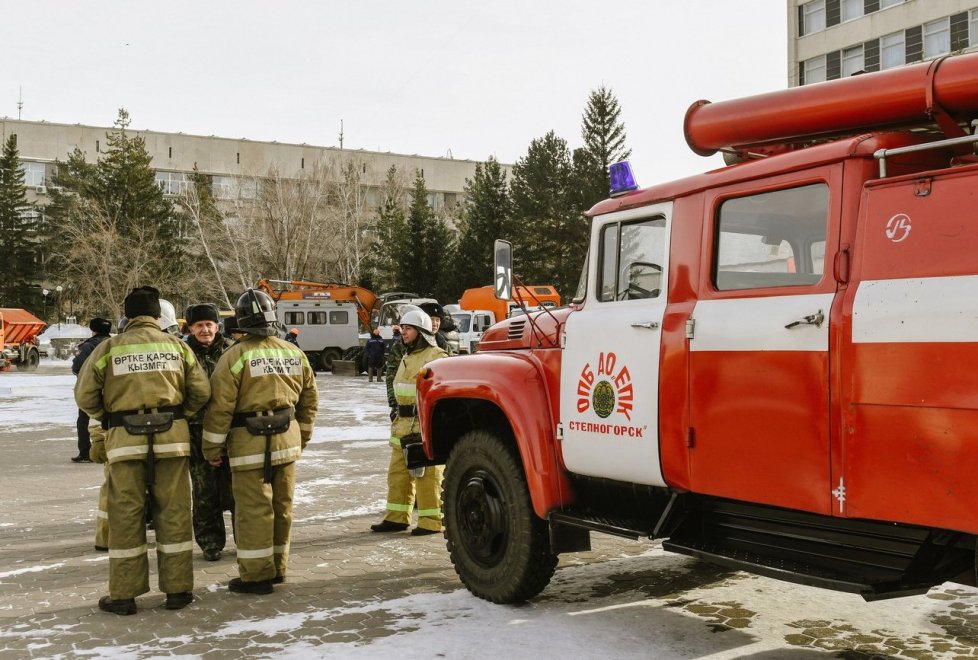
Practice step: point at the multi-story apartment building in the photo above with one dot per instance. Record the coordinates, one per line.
(235, 166)
(829, 39)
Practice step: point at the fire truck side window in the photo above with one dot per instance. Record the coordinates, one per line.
(631, 260)
(317, 318)
(339, 318)
(772, 239)
(295, 318)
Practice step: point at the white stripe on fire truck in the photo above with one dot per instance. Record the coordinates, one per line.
(926, 310)
(757, 324)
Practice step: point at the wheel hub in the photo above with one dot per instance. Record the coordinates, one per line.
(482, 518)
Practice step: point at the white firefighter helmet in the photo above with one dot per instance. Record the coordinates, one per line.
(422, 322)
(168, 317)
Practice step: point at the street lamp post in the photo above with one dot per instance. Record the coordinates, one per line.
(45, 293)
(59, 289)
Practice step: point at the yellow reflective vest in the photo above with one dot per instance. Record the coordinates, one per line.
(406, 389)
(142, 368)
(260, 374)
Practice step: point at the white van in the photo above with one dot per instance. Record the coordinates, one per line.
(326, 328)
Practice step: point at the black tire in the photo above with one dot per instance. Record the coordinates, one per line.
(30, 362)
(498, 545)
(327, 356)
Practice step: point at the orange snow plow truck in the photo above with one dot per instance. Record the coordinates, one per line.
(772, 366)
(18, 339)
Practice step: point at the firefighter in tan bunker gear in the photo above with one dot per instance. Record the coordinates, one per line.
(420, 348)
(262, 411)
(143, 384)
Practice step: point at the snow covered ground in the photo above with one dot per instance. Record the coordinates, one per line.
(353, 594)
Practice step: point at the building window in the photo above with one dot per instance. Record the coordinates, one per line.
(890, 3)
(224, 187)
(892, 50)
(973, 26)
(172, 183)
(815, 70)
(33, 173)
(937, 38)
(813, 17)
(30, 218)
(853, 60)
(851, 9)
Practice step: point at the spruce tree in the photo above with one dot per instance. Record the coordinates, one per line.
(604, 143)
(390, 231)
(552, 236)
(412, 261)
(486, 216)
(17, 269)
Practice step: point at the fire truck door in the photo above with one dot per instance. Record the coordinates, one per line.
(759, 367)
(610, 365)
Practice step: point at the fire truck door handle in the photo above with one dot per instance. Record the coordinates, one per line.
(648, 325)
(816, 319)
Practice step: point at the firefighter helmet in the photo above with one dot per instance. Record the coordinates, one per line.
(255, 312)
(421, 322)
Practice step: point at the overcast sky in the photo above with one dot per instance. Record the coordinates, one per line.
(429, 77)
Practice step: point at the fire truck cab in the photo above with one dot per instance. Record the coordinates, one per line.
(773, 365)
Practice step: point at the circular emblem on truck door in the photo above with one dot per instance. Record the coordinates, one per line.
(603, 399)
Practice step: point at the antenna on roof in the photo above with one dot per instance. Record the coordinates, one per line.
(341, 134)
(20, 100)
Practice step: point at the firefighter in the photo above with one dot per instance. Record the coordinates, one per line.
(142, 384)
(211, 485)
(437, 314)
(261, 413)
(293, 336)
(101, 330)
(420, 348)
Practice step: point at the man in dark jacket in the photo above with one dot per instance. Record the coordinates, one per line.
(100, 332)
(211, 485)
(374, 356)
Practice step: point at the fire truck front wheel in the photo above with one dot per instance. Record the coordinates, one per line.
(499, 547)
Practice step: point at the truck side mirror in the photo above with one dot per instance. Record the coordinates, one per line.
(503, 251)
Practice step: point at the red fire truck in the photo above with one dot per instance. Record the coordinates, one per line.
(773, 365)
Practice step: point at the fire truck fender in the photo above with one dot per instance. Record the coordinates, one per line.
(507, 394)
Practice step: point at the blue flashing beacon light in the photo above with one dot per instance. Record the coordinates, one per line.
(622, 180)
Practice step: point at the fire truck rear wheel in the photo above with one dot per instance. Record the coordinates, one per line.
(499, 547)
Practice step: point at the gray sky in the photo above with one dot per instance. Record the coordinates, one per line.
(427, 77)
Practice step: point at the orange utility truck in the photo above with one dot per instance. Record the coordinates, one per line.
(18, 339)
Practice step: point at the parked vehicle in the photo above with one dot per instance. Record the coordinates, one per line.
(19, 345)
(772, 366)
(471, 325)
(327, 329)
(532, 296)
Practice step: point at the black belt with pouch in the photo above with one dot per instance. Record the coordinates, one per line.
(407, 410)
(149, 424)
(144, 421)
(265, 423)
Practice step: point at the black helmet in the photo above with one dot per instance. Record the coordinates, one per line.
(255, 311)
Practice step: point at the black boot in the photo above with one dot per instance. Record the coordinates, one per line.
(212, 555)
(239, 586)
(123, 606)
(178, 601)
(388, 526)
